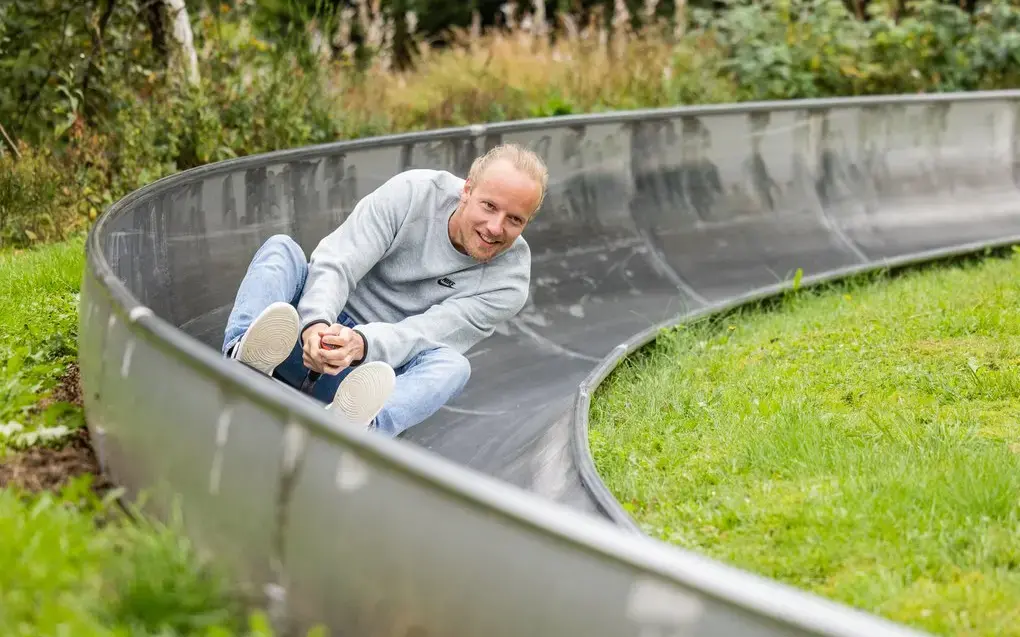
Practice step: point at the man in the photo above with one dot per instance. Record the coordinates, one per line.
(377, 323)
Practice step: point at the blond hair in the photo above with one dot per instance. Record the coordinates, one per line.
(524, 160)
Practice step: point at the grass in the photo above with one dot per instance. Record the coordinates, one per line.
(859, 441)
(61, 575)
(38, 339)
(70, 562)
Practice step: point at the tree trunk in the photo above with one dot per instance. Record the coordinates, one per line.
(157, 27)
(183, 59)
(97, 36)
(679, 19)
(10, 142)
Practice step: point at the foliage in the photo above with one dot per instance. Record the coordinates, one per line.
(61, 574)
(47, 195)
(29, 205)
(786, 49)
(55, 69)
(86, 90)
(252, 98)
(792, 49)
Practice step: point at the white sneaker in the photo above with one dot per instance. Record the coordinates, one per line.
(363, 394)
(270, 339)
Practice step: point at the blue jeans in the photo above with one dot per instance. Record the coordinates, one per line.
(424, 384)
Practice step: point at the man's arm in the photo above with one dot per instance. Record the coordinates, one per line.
(458, 322)
(345, 255)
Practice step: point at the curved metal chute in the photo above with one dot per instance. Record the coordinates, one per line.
(488, 519)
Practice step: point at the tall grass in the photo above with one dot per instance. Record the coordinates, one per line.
(504, 75)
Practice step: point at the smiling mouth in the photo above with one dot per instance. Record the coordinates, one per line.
(486, 241)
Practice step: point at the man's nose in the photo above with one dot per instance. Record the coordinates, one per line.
(495, 227)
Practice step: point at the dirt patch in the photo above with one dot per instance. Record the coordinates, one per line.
(68, 390)
(48, 468)
(42, 468)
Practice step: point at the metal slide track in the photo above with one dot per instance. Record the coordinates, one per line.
(489, 519)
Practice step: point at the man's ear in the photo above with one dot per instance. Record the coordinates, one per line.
(466, 190)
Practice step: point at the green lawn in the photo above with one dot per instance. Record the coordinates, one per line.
(62, 572)
(860, 441)
(38, 338)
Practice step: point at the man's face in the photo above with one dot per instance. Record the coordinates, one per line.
(494, 211)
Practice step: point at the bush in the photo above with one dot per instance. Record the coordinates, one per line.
(788, 49)
(30, 197)
(793, 49)
(47, 195)
(253, 97)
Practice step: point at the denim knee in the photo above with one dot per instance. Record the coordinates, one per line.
(457, 366)
(285, 245)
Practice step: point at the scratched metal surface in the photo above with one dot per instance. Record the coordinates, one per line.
(477, 522)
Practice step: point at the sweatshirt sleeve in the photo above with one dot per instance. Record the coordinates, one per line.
(345, 255)
(459, 322)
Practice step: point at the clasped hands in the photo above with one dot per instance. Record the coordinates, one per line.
(329, 349)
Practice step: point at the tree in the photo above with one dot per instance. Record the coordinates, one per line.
(183, 59)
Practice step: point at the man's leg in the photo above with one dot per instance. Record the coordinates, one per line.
(260, 319)
(355, 395)
(423, 385)
(263, 330)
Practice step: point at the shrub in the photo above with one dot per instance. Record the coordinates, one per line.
(787, 49)
(30, 189)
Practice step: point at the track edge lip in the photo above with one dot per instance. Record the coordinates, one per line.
(580, 424)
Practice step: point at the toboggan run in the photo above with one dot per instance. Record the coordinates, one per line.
(489, 518)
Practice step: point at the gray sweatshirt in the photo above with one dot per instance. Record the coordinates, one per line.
(392, 267)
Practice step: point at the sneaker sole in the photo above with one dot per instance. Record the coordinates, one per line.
(270, 339)
(363, 393)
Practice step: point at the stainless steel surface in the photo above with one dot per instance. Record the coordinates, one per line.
(478, 521)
